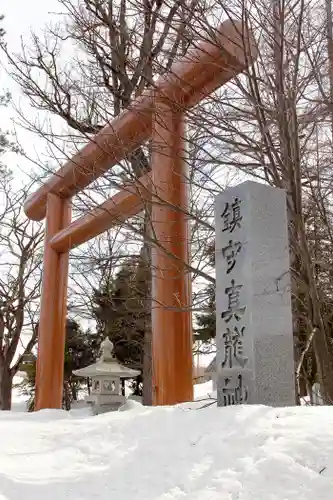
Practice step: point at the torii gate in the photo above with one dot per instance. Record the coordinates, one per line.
(157, 114)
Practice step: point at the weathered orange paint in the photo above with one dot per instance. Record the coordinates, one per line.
(171, 294)
(157, 113)
(203, 69)
(127, 203)
(51, 333)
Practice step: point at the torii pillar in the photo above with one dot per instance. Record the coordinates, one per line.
(171, 282)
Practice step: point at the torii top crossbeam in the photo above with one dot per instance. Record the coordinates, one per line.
(204, 69)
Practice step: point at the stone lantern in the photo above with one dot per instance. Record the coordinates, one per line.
(106, 375)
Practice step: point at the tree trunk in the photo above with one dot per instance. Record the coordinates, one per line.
(67, 396)
(147, 394)
(321, 343)
(324, 360)
(6, 384)
(73, 390)
(147, 371)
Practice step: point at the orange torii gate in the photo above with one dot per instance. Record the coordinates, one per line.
(157, 115)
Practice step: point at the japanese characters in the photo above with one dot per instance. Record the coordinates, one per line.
(234, 391)
(254, 336)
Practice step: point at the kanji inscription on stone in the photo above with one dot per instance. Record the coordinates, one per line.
(234, 348)
(230, 253)
(254, 335)
(231, 216)
(235, 310)
(234, 392)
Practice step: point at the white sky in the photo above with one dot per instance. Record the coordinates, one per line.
(21, 18)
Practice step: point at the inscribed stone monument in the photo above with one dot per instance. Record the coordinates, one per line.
(255, 355)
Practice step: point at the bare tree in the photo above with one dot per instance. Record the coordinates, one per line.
(275, 125)
(20, 250)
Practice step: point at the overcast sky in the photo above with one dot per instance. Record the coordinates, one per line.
(21, 18)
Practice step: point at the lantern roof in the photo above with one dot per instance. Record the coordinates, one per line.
(107, 365)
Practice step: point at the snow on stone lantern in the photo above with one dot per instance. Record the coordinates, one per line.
(106, 375)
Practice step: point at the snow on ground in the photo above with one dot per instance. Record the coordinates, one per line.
(19, 401)
(243, 453)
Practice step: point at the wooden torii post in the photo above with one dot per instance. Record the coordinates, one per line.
(158, 114)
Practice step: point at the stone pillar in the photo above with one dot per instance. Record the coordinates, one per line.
(255, 355)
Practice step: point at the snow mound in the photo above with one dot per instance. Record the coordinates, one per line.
(184, 452)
